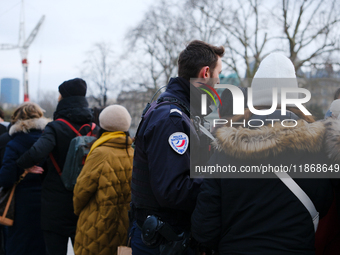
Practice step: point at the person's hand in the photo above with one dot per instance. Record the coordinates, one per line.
(35, 170)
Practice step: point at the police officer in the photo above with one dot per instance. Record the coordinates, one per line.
(161, 183)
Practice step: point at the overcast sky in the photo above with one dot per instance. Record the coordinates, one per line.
(70, 29)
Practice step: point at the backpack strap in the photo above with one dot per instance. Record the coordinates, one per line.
(301, 195)
(54, 162)
(70, 126)
(161, 101)
(177, 102)
(85, 125)
(93, 126)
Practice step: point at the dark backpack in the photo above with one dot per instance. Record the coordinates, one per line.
(76, 155)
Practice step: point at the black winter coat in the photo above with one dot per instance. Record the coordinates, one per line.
(57, 202)
(262, 216)
(4, 139)
(25, 236)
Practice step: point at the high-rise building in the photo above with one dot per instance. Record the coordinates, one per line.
(10, 89)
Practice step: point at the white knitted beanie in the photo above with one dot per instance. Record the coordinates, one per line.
(115, 118)
(275, 71)
(335, 108)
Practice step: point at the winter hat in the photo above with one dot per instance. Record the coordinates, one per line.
(335, 108)
(275, 71)
(115, 118)
(74, 87)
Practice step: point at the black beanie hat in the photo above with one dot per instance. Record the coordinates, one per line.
(74, 87)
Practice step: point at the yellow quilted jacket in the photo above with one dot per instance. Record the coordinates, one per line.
(101, 199)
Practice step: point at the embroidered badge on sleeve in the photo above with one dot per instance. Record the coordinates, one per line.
(179, 142)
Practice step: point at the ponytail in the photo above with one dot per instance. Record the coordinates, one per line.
(127, 142)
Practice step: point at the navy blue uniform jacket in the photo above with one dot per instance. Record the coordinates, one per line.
(169, 171)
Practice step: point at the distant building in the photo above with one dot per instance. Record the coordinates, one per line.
(10, 91)
(322, 83)
(93, 102)
(322, 91)
(135, 101)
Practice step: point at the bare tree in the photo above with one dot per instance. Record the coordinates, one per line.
(201, 26)
(242, 29)
(311, 29)
(98, 71)
(157, 41)
(306, 30)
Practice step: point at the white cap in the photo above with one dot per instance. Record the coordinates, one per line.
(275, 71)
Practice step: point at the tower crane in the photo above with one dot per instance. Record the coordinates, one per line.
(23, 45)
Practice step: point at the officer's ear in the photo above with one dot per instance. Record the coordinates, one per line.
(204, 72)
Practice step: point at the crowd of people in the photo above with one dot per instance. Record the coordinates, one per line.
(138, 192)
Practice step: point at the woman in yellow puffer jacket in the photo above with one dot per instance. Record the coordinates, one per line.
(103, 190)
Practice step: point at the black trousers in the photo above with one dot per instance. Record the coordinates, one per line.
(56, 244)
(2, 240)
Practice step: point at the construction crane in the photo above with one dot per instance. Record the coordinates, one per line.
(23, 45)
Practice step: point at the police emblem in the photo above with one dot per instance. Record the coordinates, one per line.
(179, 142)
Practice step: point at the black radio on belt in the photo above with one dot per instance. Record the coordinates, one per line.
(156, 233)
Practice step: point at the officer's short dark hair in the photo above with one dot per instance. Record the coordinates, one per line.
(2, 115)
(337, 94)
(196, 55)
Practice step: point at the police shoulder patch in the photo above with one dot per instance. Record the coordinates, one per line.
(179, 142)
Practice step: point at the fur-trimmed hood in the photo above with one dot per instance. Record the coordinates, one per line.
(332, 139)
(26, 125)
(267, 141)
